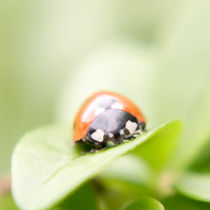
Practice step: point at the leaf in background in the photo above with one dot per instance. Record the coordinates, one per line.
(178, 202)
(144, 203)
(46, 168)
(182, 79)
(126, 170)
(7, 202)
(20, 98)
(201, 163)
(84, 198)
(126, 178)
(158, 151)
(121, 66)
(195, 186)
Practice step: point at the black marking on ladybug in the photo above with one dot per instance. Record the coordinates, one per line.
(112, 125)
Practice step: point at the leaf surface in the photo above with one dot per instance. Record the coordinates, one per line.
(46, 167)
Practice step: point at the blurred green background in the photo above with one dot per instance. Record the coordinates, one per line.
(54, 53)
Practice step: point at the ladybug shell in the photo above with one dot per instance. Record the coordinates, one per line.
(98, 103)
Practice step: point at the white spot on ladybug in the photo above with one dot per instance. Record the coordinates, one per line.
(111, 135)
(98, 135)
(122, 132)
(99, 110)
(117, 106)
(131, 126)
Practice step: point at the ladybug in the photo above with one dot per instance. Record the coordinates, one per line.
(107, 117)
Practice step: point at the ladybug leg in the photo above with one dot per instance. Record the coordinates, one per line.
(143, 127)
(89, 146)
(83, 147)
(97, 148)
(130, 138)
(118, 139)
(101, 147)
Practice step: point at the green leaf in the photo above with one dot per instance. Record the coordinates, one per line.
(128, 175)
(84, 198)
(201, 163)
(195, 186)
(178, 202)
(159, 150)
(182, 79)
(144, 203)
(128, 169)
(46, 167)
(7, 202)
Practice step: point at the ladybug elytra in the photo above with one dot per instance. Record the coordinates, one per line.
(107, 116)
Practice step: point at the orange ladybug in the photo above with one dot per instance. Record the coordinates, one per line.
(107, 116)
